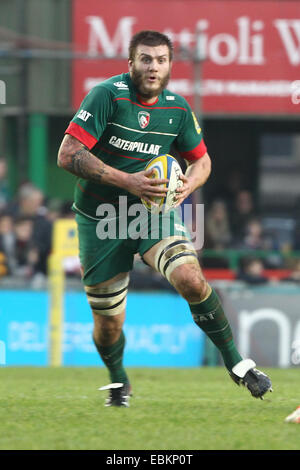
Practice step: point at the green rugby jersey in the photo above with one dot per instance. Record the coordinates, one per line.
(125, 133)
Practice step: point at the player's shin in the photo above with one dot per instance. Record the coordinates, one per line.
(112, 356)
(210, 317)
(108, 304)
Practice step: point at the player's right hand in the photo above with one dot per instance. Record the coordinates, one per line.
(144, 185)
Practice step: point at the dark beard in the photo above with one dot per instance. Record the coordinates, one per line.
(137, 78)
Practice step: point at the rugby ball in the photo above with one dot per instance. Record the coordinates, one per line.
(166, 167)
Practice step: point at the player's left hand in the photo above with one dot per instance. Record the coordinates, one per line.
(183, 192)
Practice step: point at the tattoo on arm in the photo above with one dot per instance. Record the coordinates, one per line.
(85, 165)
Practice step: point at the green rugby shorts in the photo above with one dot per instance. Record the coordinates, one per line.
(107, 247)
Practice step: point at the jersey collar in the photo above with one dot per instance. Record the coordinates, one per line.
(146, 104)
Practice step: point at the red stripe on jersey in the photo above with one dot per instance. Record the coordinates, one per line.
(147, 106)
(123, 156)
(81, 134)
(196, 153)
(96, 196)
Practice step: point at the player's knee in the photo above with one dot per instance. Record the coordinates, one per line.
(189, 283)
(107, 332)
(107, 329)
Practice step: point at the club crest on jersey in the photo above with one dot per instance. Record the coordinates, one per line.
(144, 119)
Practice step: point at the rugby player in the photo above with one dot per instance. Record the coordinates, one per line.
(121, 124)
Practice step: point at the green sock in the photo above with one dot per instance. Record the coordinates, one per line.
(210, 317)
(112, 356)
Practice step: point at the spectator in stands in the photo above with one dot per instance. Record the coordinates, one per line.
(252, 272)
(295, 274)
(296, 236)
(17, 245)
(54, 207)
(242, 211)
(30, 201)
(4, 186)
(254, 237)
(30, 204)
(217, 228)
(26, 254)
(7, 239)
(232, 185)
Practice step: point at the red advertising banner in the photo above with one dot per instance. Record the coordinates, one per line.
(249, 50)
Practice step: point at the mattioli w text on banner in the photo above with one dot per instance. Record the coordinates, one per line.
(249, 50)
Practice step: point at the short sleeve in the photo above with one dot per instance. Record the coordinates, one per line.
(189, 142)
(92, 116)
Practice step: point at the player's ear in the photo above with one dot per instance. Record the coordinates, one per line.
(130, 62)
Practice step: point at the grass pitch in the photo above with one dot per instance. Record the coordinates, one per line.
(186, 409)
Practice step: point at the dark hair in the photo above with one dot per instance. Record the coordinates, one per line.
(20, 219)
(149, 38)
(249, 260)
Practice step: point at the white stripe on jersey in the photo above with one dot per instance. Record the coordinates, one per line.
(141, 132)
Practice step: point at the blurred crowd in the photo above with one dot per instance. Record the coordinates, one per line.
(26, 222)
(237, 225)
(240, 226)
